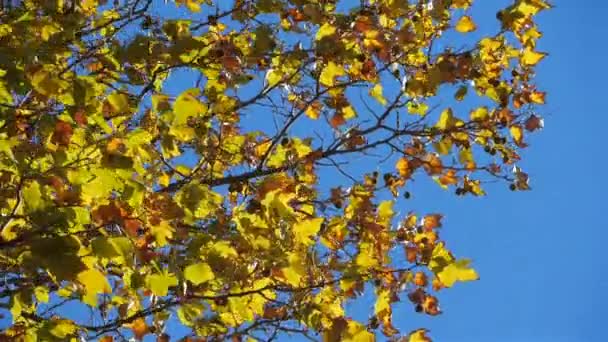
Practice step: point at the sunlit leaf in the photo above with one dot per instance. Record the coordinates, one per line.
(198, 273)
(465, 24)
(457, 271)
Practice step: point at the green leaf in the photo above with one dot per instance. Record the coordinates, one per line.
(32, 196)
(198, 273)
(198, 200)
(119, 102)
(47, 84)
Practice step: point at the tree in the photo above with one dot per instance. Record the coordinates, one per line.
(206, 164)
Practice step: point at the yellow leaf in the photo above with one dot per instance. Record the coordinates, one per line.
(385, 212)
(305, 230)
(62, 328)
(440, 258)
(159, 283)
(42, 294)
(325, 30)
(417, 108)
(530, 57)
(198, 273)
(443, 146)
(531, 7)
(273, 77)
(192, 5)
(403, 167)
(418, 336)
(538, 97)
(366, 257)
(376, 93)
(479, 114)
(457, 271)
(464, 4)
(296, 271)
(187, 105)
(348, 112)
(517, 133)
(356, 332)
(48, 30)
(313, 110)
(161, 232)
(384, 311)
(95, 283)
(465, 24)
(330, 72)
(119, 102)
(223, 249)
(446, 120)
(164, 179)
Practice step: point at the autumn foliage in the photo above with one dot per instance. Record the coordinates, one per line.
(237, 169)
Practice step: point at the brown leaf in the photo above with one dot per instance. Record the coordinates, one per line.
(533, 123)
(62, 134)
(431, 222)
(337, 120)
(80, 117)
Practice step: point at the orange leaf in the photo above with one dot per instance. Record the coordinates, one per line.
(420, 279)
(139, 328)
(431, 306)
(433, 165)
(403, 167)
(431, 221)
(448, 178)
(411, 253)
(337, 120)
(538, 97)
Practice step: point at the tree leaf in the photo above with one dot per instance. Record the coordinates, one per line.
(329, 74)
(376, 93)
(530, 57)
(465, 24)
(198, 273)
(159, 283)
(95, 283)
(457, 271)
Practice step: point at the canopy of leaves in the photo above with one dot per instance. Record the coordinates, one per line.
(186, 162)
